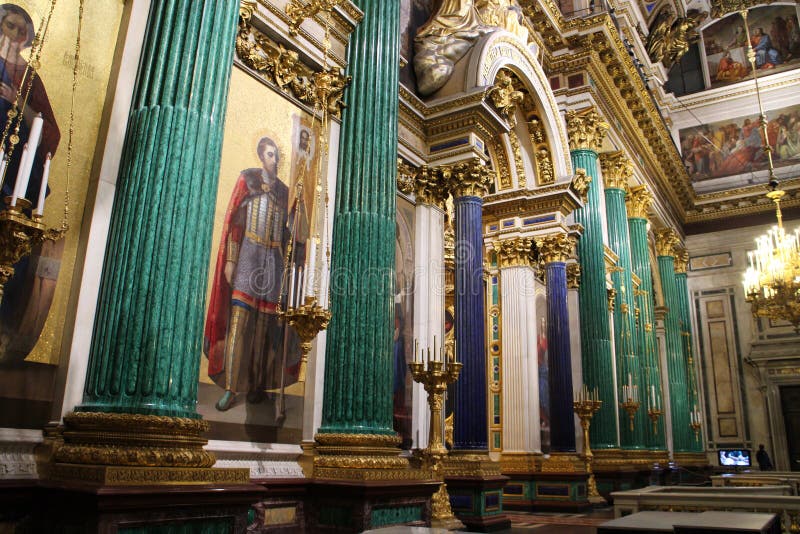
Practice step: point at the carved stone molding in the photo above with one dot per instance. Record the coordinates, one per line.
(666, 239)
(586, 130)
(638, 201)
(515, 252)
(617, 170)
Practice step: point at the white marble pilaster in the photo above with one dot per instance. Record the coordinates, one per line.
(429, 293)
(521, 427)
(575, 350)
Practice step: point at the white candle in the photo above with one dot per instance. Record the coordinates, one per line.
(290, 299)
(3, 165)
(18, 184)
(43, 189)
(33, 143)
(311, 268)
(653, 395)
(298, 294)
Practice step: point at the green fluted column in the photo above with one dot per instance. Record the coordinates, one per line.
(682, 434)
(639, 200)
(617, 171)
(358, 358)
(681, 261)
(586, 132)
(148, 330)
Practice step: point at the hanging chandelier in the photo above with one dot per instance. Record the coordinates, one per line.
(772, 281)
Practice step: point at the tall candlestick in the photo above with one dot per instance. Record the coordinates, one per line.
(43, 189)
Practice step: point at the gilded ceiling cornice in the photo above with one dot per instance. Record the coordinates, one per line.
(736, 207)
(720, 8)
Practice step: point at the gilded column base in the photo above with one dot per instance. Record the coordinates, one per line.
(606, 460)
(520, 462)
(111, 475)
(112, 449)
(99, 438)
(690, 458)
(470, 464)
(563, 462)
(363, 457)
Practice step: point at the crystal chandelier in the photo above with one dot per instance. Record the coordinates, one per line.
(772, 282)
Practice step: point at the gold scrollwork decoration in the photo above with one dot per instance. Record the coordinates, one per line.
(580, 183)
(299, 11)
(406, 177)
(283, 68)
(504, 96)
(573, 275)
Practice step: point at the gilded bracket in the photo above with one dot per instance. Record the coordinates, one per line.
(299, 11)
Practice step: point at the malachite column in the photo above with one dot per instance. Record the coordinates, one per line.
(148, 329)
(554, 250)
(358, 358)
(638, 203)
(681, 264)
(586, 131)
(617, 173)
(469, 182)
(682, 434)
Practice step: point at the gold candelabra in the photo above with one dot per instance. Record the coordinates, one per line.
(435, 377)
(586, 405)
(308, 321)
(630, 406)
(18, 235)
(696, 428)
(654, 414)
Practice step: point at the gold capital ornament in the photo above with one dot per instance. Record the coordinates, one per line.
(515, 252)
(586, 130)
(470, 178)
(666, 239)
(429, 188)
(617, 170)
(573, 275)
(580, 183)
(557, 247)
(681, 261)
(638, 201)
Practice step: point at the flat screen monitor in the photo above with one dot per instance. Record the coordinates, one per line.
(734, 457)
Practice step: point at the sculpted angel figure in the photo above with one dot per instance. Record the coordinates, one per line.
(670, 38)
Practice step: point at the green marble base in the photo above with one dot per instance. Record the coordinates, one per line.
(547, 492)
(477, 501)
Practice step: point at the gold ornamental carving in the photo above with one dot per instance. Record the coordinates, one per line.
(406, 177)
(580, 183)
(514, 252)
(429, 188)
(681, 261)
(586, 130)
(282, 68)
(666, 239)
(298, 11)
(573, 275)
(502, 165)
(516, 149)
(611, 296)
(468, 178)
(96, 438)
(720, 8)
(557, 247)
(617, 170)
(563, 463)
(671, 37)
(638, 201)
(109, 475)
(465, 464)
(545, 172)
(504, 96)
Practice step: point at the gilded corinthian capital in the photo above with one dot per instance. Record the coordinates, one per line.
(638, 202)
(666, 239)
(573, 275)
(585, 129)
(429, 187)
(580, 183)
(515, 252)
(468, 179)
(617, 170)
(681, 261)
(555, 247)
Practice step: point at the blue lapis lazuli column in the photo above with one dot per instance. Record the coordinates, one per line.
(562, 425)
(469, 425)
